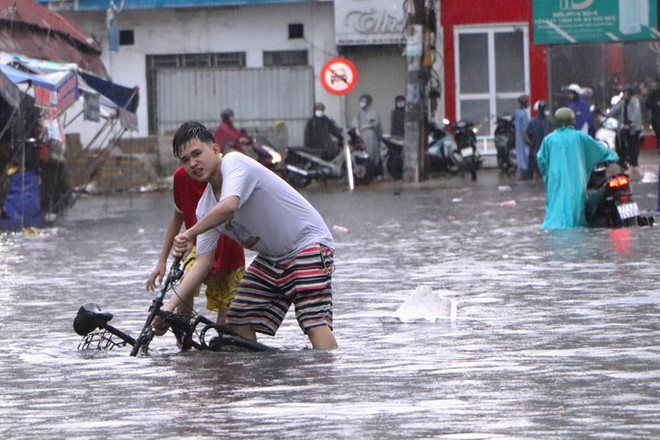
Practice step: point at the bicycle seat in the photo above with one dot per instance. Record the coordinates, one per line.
(89, 318)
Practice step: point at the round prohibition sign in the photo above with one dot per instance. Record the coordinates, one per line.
(339, 76)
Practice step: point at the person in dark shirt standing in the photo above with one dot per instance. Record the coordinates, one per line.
(539, 127)
(398, 116)
(321, 133)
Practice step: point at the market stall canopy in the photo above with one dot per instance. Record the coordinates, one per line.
(30, 29)
(10, 101)
(10, 95)
(58, 85)
(53, 92)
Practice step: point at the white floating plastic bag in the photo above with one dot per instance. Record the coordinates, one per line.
(428, 305)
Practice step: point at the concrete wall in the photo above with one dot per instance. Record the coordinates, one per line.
(250, 29)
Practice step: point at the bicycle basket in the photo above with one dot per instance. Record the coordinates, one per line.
(100, 340)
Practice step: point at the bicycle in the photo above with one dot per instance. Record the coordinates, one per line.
(93, 325)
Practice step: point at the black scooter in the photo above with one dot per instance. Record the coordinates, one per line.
(505, 143)
(466, 141)
(610, 203)
(394, 156)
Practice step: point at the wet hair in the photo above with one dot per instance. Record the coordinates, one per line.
(187, 132)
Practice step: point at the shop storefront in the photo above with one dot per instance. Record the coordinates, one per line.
(601, 45)
(490, 60)
(370, 33)
(496, 50)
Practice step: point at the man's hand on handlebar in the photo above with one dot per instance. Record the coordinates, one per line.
(182, 245)
(158, 325)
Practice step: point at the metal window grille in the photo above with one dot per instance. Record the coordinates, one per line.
(286, 58)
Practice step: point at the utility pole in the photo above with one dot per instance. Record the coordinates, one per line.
(415, 115)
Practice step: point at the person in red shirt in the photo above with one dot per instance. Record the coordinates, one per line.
(229, 137)
(228, 261)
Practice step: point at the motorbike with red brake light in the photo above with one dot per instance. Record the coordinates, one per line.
(610, 202)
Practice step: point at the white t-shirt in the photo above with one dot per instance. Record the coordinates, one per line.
(272, 219)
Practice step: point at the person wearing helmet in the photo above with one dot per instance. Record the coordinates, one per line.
(628, 111)
(539, 127)
(228, 136)
(565, 159)
(322, 134)
(579, 106)
(367, 125)
(521, 121)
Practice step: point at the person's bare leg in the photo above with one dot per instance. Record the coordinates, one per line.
(222, 316)
(246, 331)
(186, 309)
(322, 338)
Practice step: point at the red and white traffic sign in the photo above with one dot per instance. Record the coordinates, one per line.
(339, 76)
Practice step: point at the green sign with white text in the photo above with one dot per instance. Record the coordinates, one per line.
(585, 21)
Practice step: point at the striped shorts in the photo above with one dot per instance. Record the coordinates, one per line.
(268, 289)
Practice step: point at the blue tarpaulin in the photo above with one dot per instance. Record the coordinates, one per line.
(22, 208)
(18, 76)
(126, 98)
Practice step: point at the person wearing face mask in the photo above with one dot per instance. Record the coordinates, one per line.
(367, 125)
(398, 116)
(322, 134)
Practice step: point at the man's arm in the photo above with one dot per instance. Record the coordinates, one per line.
(183, 297)
(336, 131)
(221, 213)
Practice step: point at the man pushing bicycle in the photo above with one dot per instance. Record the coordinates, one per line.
(259, 210)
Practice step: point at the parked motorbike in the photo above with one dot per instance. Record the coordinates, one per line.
(466, 141)
(264, 152)
(505, 144)
(305, 164)
(607, 126)
(442, 155)
(610, 202)
(394, 156)
(606, 132)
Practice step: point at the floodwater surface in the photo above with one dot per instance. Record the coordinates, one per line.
(557, 334)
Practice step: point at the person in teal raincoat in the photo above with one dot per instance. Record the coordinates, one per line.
(565, 159)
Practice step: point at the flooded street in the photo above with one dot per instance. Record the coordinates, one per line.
(557, 334)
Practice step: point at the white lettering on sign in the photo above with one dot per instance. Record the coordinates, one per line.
(374, 22)
(369, 22)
